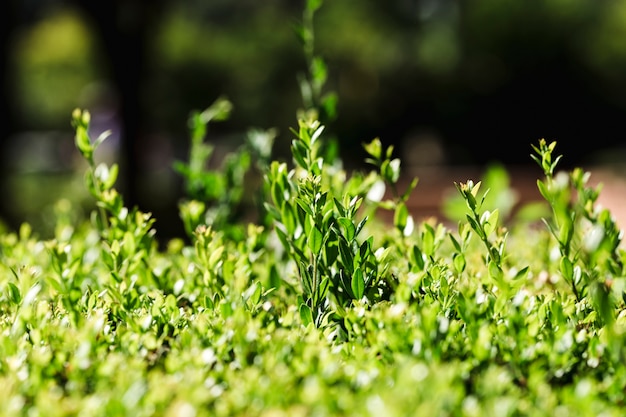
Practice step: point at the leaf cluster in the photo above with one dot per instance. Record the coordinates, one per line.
(320, 307)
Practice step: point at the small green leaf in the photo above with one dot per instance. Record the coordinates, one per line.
(316, 134)
(495, 272)
(521, 274)
(346, 254)
(306, 315)
(359, 226)
(14, 293)
(410, 189)
(313, 5)
(358, 284)
(288, 218)
(490, 221)
(400, 216)
(455, 243)
(215, 256)
(300, 153)
(428, 239)
(322, 290)
(393, 171)
(374, 148)
(567, 268)
(315, 239)
(253, 294)
(543, 189)
(348, 228)
(474, 224)
(113, 173)
(306, 276)
(417, 258)
(459, 262)
(329, 104)
(218, 111)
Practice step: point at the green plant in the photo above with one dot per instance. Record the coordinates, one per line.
(588, 239)
(322, 308)
(313, 82)
(216, 196)
(319, 228)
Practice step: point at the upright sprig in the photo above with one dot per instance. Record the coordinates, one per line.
(99, 178)
(312, 83)
(320, 227)
(127, 233)
(388, 176)
(316, 213)
(216, 196)
(114, 220)
(557, 192)
(588, 237)
(484, 223)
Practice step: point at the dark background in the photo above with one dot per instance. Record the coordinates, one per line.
(448, 82)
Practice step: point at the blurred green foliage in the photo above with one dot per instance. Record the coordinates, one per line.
(55, 60)
(398, 67)
(482, 79)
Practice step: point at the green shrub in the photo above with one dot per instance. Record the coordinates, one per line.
(320, 307)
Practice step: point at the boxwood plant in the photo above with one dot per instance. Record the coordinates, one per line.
(322, 305)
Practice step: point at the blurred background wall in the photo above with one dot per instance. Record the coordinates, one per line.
(448, 82)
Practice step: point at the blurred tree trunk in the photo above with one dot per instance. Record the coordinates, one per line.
(125, 29)
(8, 19)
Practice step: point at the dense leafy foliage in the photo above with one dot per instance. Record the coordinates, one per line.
(319, 306)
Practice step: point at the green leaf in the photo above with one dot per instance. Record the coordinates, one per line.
(455, 243)
(490, 221)
(358, 284)
(306, 315)
(374, 148)
(459, 262)
(113, 173)
(359, 226)
(313, 5)
(316, 134)
(417, 258)
(521, 274)
(409, 189)
(393, 171)
(346, 255)
(330, 246)
(602, 302)
(14, 293)
(543, 189)
(288, 218)
(329, 104)
(278, 193)
(253, 294)
(300, 153)
(81, 138)
(474, 224)
(56, 284)
(306, 275)
(400, 216)
(215, 256)
(315, 239)
(348, 228)
(323, 289)
(365, 250)
(567, 268)
(495, 272)
(218, 111)
(428, 239)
